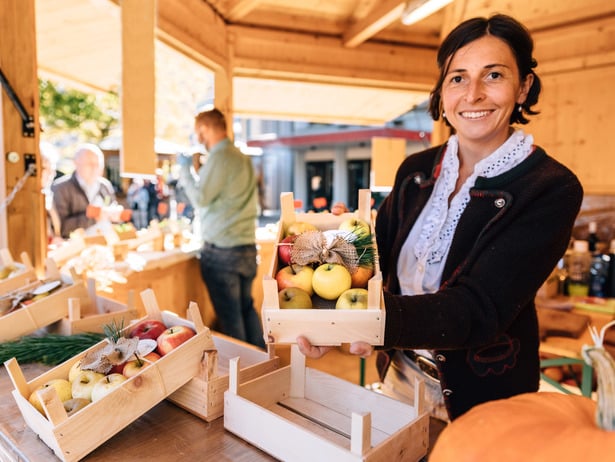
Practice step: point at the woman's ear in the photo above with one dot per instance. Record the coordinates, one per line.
(526, 84)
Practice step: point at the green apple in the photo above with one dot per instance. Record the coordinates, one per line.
(295, 276)
(294, 297)
(298, 227)
(330, 280)
(352, 299)
(62, 387)
(106, 385)
(83, 384)
(355, 225)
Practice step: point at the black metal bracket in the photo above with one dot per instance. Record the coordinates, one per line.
(26, 120)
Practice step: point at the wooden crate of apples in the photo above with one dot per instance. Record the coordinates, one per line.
(324, 281)
(14, 275)
(38, 303)
(80, 404)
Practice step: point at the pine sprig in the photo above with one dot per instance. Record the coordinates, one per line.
(365, 249)
(51, 349)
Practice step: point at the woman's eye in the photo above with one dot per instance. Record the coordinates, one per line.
(494, 75)
(456, 79)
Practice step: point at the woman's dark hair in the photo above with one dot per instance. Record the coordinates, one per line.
(505, 28)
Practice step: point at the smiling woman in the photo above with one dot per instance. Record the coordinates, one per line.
(471, 229)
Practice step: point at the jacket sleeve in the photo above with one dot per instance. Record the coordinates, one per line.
(498, 276)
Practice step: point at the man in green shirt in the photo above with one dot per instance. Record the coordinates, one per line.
(224, 194)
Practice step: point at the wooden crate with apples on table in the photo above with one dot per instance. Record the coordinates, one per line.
(203, 395)
(37, 304)
(301, 414)
(115, 401)
(321, 324)
(13, 274)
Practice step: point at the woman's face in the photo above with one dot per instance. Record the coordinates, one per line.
(480, 91)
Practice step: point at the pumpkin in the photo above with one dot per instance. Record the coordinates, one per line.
(541, 426)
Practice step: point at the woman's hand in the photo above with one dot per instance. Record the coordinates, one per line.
(310, 351)
(362, 349)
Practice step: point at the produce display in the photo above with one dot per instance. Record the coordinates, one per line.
(124, 354)
(325, 268)
(19, 298)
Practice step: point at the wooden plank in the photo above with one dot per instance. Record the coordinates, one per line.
(137, 155)
(17, 23)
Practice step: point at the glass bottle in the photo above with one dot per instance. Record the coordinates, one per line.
(579, 262)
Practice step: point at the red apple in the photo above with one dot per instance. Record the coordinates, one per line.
(147, 329)
(285, 247)
(172, 338)
(295, 276)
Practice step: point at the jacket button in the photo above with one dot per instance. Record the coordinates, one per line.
(441, 358)
(499, 203)
(417, 179)
(447, 392)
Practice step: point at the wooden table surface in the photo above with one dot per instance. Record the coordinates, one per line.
(164, 433)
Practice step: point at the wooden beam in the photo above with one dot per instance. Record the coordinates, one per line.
(204, 40)
(25, 216)
(285, 55)
(382, 16)
(138, 155)
(240, 8)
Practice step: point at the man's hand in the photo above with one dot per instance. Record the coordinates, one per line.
(184, 160)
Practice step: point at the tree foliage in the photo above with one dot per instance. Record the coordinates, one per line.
(90, 116)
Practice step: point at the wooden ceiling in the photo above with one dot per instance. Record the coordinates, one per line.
(343, 61)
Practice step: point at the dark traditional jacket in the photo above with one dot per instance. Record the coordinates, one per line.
(482, 323)
(70, 201)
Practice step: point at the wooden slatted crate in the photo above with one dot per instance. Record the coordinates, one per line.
(203, 395)
(301, 414)
(90, 312)
(23, 273)
(73, 437)
(43, 312)
(323, 326)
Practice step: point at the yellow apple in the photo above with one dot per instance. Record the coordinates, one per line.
(299, 227)
(352, 299)
(74, 371)
(83, 384)
(75, 404)
(106, 385)
(294, 297)
(62, 387)
(355, 225)
(295, 276)
(330, 280)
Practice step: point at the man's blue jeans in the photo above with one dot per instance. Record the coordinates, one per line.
(228, 274)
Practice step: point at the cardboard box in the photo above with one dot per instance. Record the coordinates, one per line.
(203, 395)
(72, 438)
(301, 414)
(323, 326)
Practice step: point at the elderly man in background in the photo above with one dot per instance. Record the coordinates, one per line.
(79, 198)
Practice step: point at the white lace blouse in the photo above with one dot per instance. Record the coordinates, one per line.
(424, 253)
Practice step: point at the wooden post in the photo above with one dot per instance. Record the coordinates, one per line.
(25, 216)
(138, 155)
